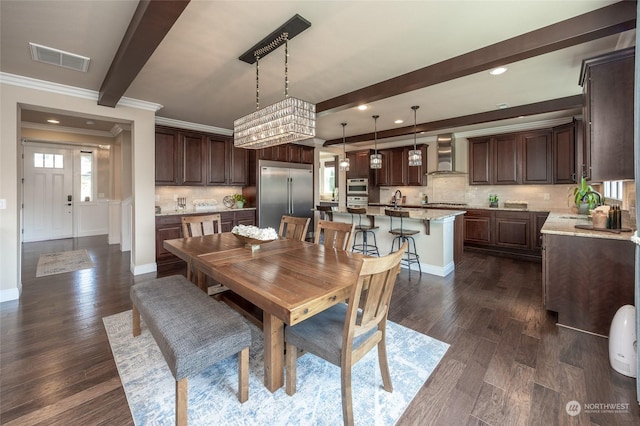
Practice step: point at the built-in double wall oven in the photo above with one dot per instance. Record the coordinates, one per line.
(358, 186)
(358, 192)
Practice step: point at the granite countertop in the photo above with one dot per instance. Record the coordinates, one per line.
(564, 224)
(414, 213)
(193, 211)
(455, 206)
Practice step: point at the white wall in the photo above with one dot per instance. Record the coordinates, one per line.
(17, 92)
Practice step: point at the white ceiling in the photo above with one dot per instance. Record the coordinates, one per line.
(196, 76)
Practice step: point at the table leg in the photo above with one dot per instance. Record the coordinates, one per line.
(273, 329)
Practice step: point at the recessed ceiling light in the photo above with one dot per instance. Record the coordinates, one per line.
(52, 121)
(502, 106)
(362, 107)
(498, 71)
(399, 121)
(90, 123)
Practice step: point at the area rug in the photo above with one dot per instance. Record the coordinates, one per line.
(150, 387)
(65, 261)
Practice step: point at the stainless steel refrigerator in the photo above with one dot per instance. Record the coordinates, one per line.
(284, 189)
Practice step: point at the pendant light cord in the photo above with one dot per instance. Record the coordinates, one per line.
(414, 108)
(344, 148)
(375, 133)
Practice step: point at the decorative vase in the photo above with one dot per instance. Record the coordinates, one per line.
(583, 208)
(239, 204)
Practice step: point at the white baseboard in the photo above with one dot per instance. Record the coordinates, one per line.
(143, 269)
(440, 271)
(9, 294)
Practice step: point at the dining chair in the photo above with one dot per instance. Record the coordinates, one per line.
(344, 333)
(336, 235)
(197, 226)
(294, 228)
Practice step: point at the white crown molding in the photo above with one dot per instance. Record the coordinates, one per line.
(519, 127)
(170, 122)
(63, 89)
(62, 129)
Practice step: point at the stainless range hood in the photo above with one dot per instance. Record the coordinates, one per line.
(446, 154)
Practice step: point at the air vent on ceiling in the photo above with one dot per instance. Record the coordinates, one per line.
(52, 56)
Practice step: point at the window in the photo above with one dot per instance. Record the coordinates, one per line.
(613, 189)
(49, 161)
(86, 180)
(329, 178)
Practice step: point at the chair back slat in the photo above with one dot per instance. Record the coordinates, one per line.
(197, 226)
(373, 290)
(336, 234)
(294, 228)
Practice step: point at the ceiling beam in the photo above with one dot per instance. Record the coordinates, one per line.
(561, 104)
(613, 19)
(151, 22)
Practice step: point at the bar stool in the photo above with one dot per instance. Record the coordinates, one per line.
(326, 212)
(401, 235)
(364, 230)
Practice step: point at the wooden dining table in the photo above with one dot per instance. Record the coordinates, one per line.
(289, 280)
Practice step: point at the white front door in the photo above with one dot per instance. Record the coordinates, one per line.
(47, 193)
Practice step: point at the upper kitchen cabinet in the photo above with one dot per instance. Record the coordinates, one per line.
(358, 165)
(198, 159)
(564, 153)
(511, 159)
(167, 157)
(395, 169)
(226, 164)
(289, 153)
(179, 158)
(536, 157)
(607, 83)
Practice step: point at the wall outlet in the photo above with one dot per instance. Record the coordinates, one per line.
(175, 197)
(3, 204)
(546, 196)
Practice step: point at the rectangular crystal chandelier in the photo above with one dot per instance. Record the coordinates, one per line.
(289, 120)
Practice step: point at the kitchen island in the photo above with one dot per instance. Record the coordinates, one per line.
(439, 242)
(587, 275)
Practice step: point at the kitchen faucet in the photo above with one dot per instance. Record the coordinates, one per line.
(397, 195)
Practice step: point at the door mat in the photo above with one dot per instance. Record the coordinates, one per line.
(66, 261)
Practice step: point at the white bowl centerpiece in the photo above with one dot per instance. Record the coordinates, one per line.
(253, 236)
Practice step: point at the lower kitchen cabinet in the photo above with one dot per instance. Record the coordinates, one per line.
(586, 280)
(504, 232)
(170, 227)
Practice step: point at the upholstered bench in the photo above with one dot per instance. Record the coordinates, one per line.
(192, 330)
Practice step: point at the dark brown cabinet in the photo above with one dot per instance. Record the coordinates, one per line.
(198, 159)
(478, 227)
(505, 160)
(226, 164)
(608, 82)
(507, 232)
(396, 171)
(511, 159)
(537, 163)
(564, 153)
(288, 153)
(585, 280)
(167, 157)
(170, 227)
(416, 175)
(358, 165)
(512, 229)
(480, 161)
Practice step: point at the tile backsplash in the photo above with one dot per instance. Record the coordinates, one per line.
(166, 195)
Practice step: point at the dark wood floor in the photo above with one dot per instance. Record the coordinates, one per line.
(508, 363)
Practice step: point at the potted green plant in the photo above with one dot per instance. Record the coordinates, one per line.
(240, 200)
(585, 197)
